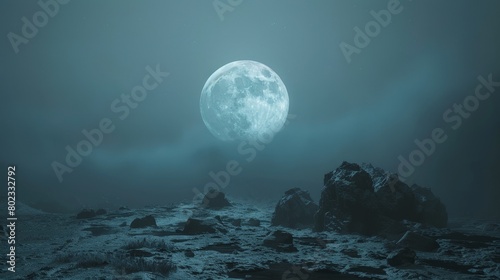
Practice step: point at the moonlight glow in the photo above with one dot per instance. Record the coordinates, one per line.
(244, 100)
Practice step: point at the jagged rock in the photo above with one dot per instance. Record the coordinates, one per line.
(253, 222)
(215, 200)
(405, 256)
(367, 200)
(347, 202)
(430, 210)
(143, 222)
(281, 241)
(418, 242)
(196, 226)
(350, 172)
(295, 209)
(396, 199)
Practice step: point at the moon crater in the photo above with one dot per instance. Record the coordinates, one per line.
(244, 100)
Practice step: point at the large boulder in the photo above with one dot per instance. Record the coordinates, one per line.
(368, 200)
(295, 209)
(396, 199)
(348, 202)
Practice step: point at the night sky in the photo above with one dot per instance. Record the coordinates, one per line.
(369, 106)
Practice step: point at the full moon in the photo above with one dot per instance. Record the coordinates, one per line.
(244, 100)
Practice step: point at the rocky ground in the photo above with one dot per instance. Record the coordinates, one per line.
(105, 247)
(367, 225)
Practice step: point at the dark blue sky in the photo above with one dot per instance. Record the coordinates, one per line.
(395, 90)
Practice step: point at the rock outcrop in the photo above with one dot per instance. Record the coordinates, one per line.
(348, 202)
(368, 200)
(295, 209)
(395, 199)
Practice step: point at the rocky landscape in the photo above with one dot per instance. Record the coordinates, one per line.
(367, 225)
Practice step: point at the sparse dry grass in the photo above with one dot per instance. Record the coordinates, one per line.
(146, 243)
(128, 265)
(122, 262)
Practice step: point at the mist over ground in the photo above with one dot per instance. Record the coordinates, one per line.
(372, 109)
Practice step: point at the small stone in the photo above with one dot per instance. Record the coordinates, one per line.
(281, 241)
(215, 200)
(143, 222)
(197, 226)
(189, 253)
(253, 222)
(236, 222)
